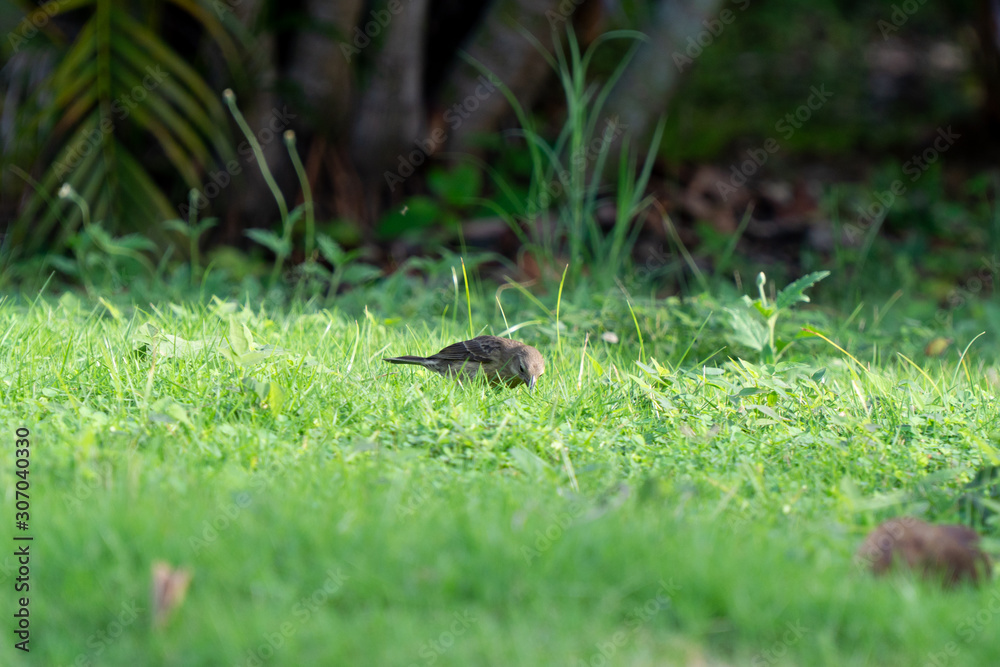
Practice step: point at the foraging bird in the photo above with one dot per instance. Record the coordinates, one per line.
(949, 552)
(502, 360)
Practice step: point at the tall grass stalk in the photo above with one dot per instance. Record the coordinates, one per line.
(562, 282)
(230, 98)
(567, 174)
(192, 230)
(281, 246)
(468, 299)
(307, 198)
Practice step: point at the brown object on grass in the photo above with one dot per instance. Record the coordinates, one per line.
(948, 552)
(502, 360)
(169, 588)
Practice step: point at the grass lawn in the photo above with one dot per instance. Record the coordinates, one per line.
(672, 498)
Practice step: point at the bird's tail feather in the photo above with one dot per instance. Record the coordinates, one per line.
(408, 359)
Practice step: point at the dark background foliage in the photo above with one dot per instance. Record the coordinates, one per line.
(397, 148)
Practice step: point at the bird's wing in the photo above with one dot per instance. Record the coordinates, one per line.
(467, 350)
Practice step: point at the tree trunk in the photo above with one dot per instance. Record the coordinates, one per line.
(501, 46)
(322, 66)
(391, 115)
(643, 93)
(253, 204)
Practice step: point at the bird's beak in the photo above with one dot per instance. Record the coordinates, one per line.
(531, 383)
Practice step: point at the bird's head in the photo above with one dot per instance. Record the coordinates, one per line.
(530, 365)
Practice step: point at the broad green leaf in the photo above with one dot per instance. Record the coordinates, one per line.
(270, 240)
(240, 338)
(356, 274)
(162, 344)
(330, 249)
(168, 410)
(747, 330)
(275, 398)
(793, 293)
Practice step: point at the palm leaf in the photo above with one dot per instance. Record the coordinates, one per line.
(88, 117)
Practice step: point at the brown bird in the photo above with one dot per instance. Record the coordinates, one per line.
(948, 552)
(502, 360)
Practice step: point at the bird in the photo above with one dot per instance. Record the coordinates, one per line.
(501, 360)
(949, 552)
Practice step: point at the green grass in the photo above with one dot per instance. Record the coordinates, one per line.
(686, 507)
